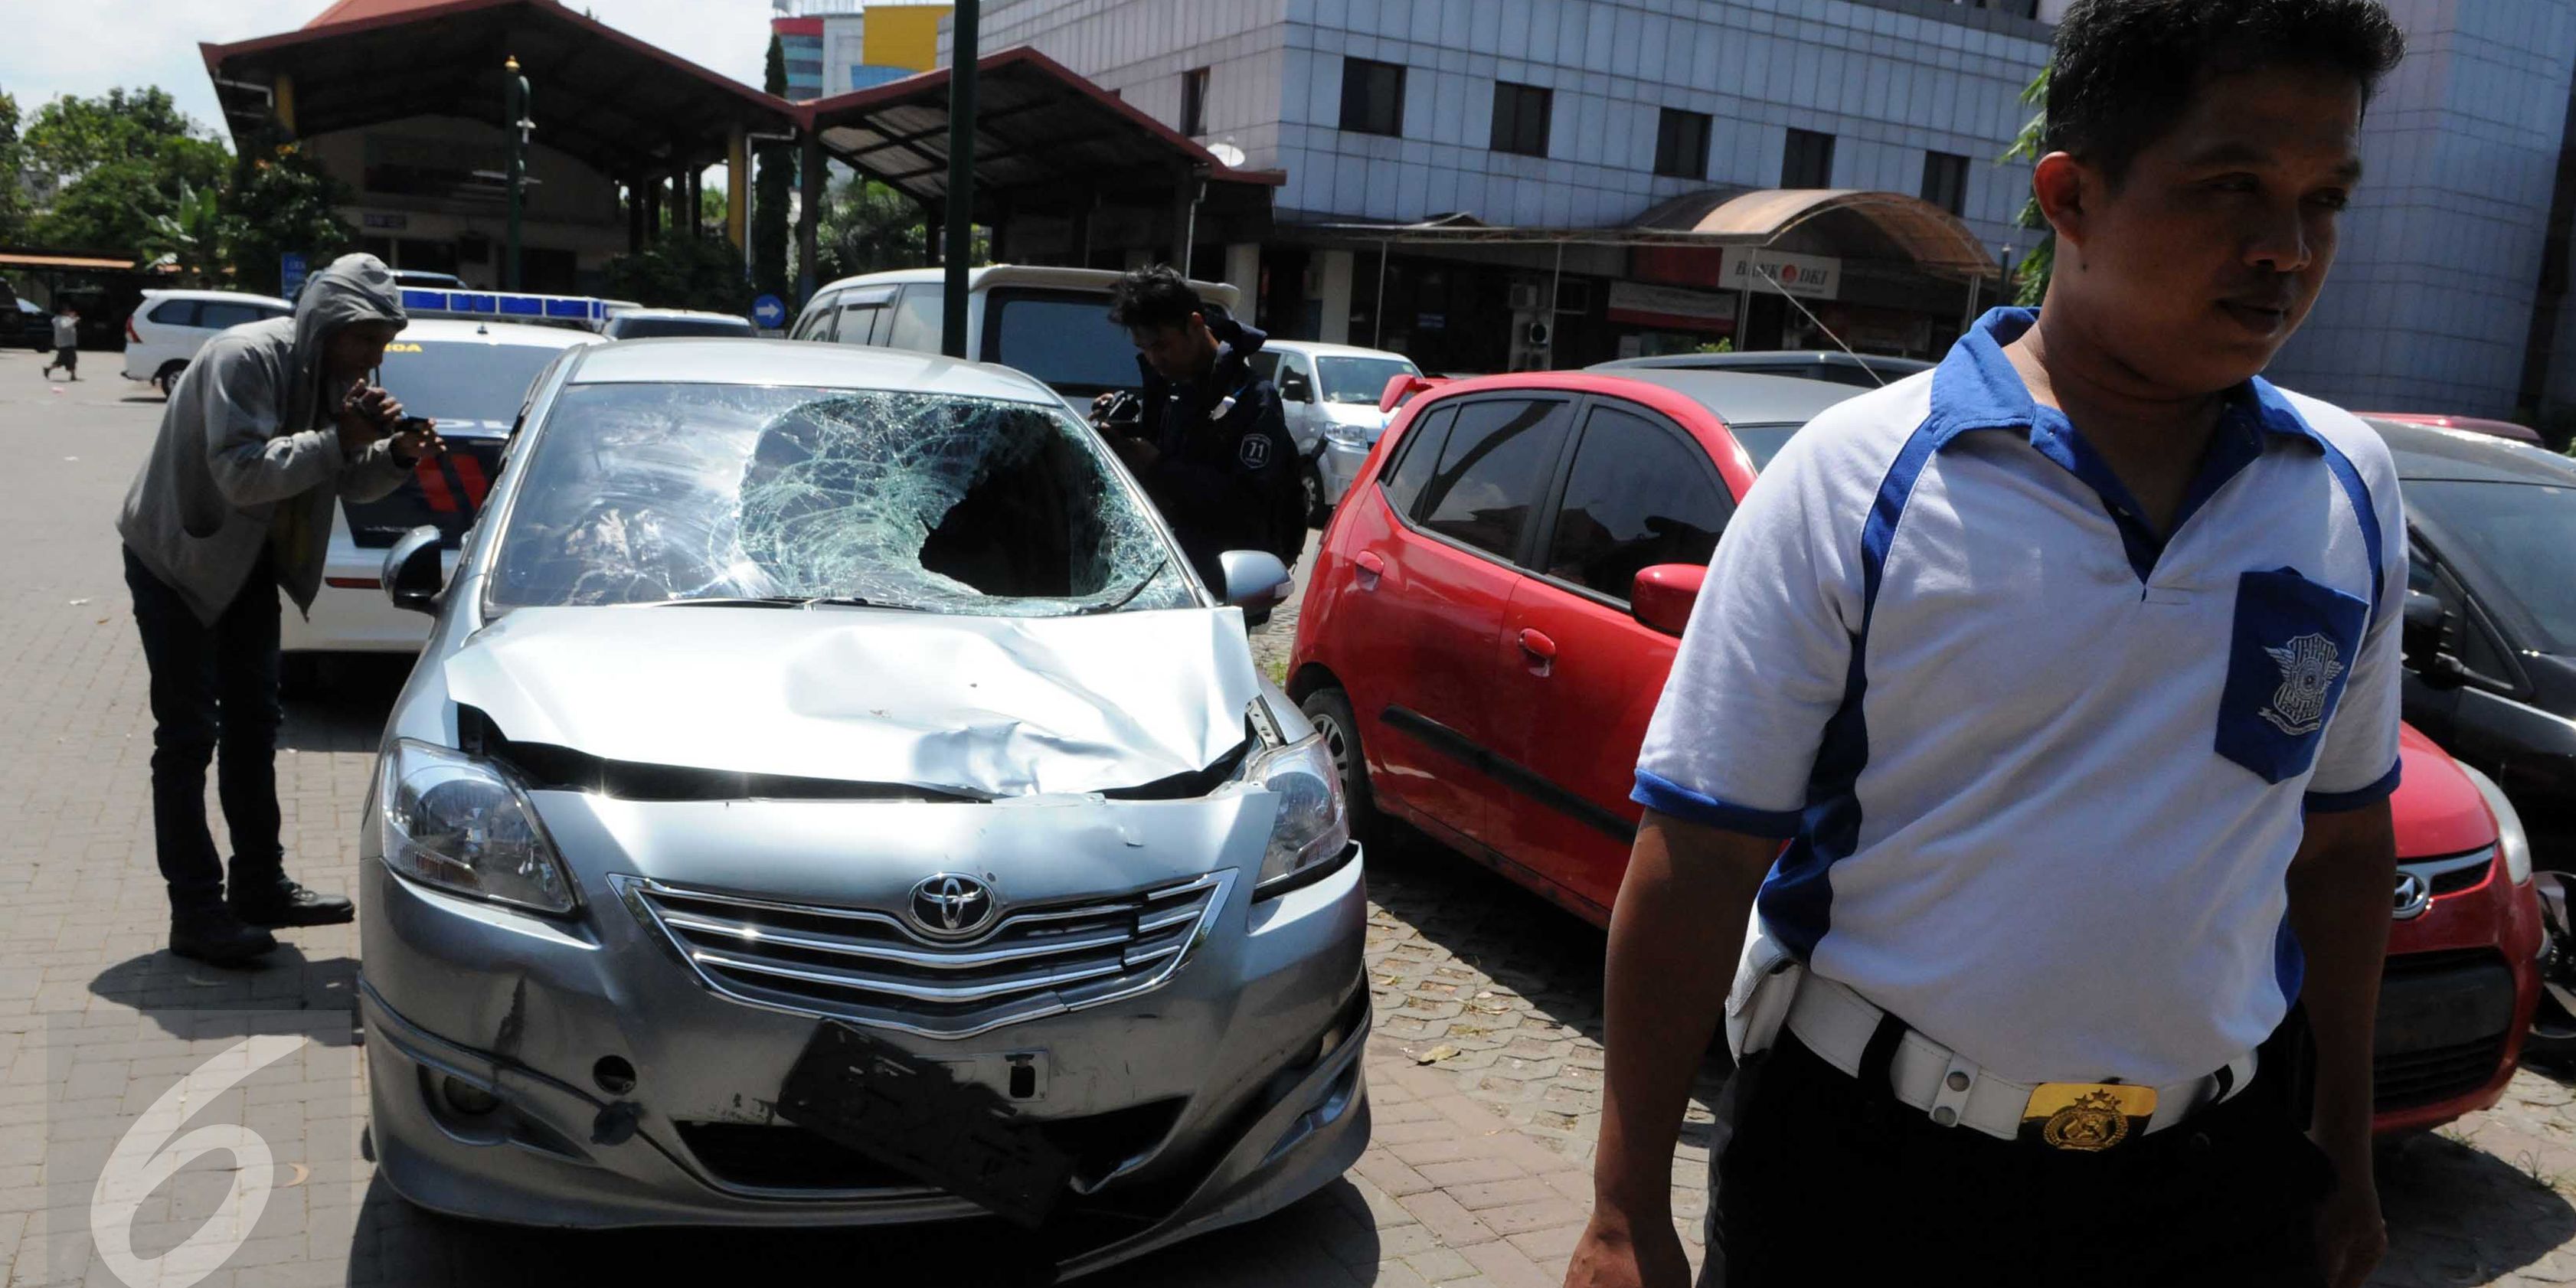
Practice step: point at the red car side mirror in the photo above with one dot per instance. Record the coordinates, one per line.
(1664, 594)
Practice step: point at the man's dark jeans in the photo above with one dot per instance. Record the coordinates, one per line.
(214, 688)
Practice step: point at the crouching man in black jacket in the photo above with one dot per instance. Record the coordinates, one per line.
(1212, 449)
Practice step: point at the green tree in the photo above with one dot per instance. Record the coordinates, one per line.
(682, 272)
(121, 161)
(777, 173)
(282, 200)
(13, 153)
(711, 208)
(868, 227)
(195, 237)
(2030, 282)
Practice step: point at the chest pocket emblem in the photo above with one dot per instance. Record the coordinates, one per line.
(2308, 667)
(1254, 451)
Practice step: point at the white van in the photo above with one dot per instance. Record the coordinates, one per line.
(1330, 393)
(165, 331)
(1052, 323)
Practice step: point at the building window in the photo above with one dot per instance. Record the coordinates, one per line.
(1520, 119)
(1809, 161)
(1194, 102)
(1945, 181)
(1681, 144)
(1372, 97)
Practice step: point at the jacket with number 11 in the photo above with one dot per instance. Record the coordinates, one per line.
(1226, 478)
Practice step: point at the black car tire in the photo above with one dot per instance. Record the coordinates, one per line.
(2551, 1041)
(299, 676)
(1317, 512)
(167, 378)
(1329, 710)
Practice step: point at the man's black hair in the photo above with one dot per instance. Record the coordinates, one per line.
(2125, 70)
(1154, 296)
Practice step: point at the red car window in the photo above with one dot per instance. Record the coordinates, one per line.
(1492, 471)
(1638, 495)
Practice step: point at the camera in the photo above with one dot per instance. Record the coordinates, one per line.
(1125, 413)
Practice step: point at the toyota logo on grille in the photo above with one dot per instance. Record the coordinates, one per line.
(949, 906)
(2413, 896)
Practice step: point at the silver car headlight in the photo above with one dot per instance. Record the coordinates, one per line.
(458, 823)
(1349, 435)
(2511, 839)
(1313, 826)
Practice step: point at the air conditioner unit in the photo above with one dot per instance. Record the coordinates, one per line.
(1524, 297)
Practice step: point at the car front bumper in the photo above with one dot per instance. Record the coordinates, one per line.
(1339, 466)
(1252, 1050)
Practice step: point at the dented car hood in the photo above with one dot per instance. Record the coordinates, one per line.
(977, 706)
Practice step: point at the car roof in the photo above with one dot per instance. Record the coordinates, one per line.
(1765, 358)
(992, 275)
(1744, 398)
(700, 360)
(454, 330)
(1320, 349)
(246, 297)
(2431, 452)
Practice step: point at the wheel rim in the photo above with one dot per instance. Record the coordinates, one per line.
(1314, 494)
(1337, 744)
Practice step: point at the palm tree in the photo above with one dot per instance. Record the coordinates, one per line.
(194, 237)
(2031, 282)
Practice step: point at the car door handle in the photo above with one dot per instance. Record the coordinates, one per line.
(1370, 569)
(1539, 650)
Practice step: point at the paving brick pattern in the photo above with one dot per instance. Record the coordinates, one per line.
(1485, 1070)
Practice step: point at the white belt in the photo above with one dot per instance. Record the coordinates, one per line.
(1836, 1023)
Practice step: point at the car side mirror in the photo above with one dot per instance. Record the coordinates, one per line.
(414, 575)
(2420, 641)
(1664, 595)
(1296, 389)
(1255, 581)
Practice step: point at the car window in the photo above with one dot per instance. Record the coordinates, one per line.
(648, 493)
(174, 313)
(1265, 365)
(1360, 380)
(268, 312)
(217, 315)
(1492, 469)
(1639, 495)
(635, 328)
(861, 323)
(1416, 455)
(1064, 338)
(816, 321)
(1762, 442)
(463, 385)
(918, 317)
(2519, 536)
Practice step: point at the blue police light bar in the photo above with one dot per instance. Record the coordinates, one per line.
(504, 305)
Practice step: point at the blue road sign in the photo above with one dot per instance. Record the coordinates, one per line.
(770, 312)
(290, 274)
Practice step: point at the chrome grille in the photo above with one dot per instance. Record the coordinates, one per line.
(867, 966)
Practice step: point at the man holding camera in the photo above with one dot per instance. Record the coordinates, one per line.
(271, 423)
(1210, 442)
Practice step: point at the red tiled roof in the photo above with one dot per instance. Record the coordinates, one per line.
(356, 10)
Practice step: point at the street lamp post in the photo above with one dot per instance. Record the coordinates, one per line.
(957, 254)
(520, 126)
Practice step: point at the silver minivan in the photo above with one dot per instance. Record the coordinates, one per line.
(1331, 394)
(828, 797)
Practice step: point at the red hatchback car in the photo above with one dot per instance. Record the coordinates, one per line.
(1496, 603)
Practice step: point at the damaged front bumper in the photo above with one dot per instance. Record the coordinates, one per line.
(599, 1072)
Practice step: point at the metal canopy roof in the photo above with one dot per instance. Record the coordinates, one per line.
(1833, 221)
(1045, 140)
(609, 100)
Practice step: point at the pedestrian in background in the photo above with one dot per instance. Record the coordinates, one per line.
(1212, 448)
(273, 422)
(66, 343)
(2033, 741)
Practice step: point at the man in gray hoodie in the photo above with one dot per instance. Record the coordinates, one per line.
(272, 423)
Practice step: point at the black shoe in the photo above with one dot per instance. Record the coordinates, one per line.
(278, 901)
(217, 937)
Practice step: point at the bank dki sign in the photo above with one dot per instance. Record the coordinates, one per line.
(1812, 277)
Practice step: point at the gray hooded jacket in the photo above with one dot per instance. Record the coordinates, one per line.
(247, 446)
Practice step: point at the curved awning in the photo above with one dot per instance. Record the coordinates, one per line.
(1846, 222)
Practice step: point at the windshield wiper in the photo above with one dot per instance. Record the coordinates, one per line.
(1130, 597)
(738, 601)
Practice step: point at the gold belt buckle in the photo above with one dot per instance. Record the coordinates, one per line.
(2086, 1116)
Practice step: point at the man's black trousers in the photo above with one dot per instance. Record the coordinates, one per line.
(214, 690)
(1814, 1180)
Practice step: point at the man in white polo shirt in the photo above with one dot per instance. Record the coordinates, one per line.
(2068, 675)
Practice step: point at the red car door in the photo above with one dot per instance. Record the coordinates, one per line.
(1577, 674)
(1431, 576)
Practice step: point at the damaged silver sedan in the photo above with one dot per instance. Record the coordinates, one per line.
(828, 798)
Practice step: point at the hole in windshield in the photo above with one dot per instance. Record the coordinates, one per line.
(648, 493)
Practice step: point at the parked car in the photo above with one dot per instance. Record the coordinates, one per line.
(31, 327)
(1865, 370)
(1495, 607)
(2473, 424)
(1330, 393)
(165, 331)
(1052, 323)
(473, 378)
(422, 277)
(781, 775)
(649, 324)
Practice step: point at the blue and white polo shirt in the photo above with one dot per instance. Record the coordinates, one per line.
(2041, 772)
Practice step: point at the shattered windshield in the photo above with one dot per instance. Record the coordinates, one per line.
(651, 493)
